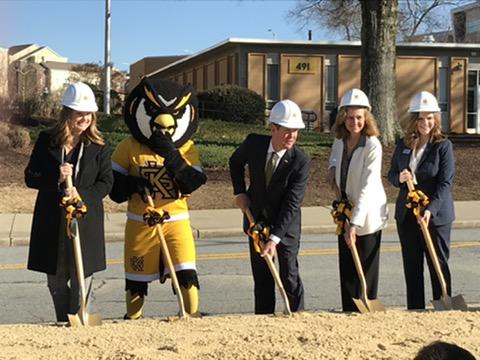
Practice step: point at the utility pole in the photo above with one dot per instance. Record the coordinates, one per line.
(108, 63)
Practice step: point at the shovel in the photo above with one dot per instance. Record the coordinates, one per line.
(168, 260)
(445, 302)
(273, 270)
(81, 318)
(364, 304)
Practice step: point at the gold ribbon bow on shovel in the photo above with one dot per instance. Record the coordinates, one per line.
(417, 201)
(341, 212)
(259, 234)
(155, 218)
(75, 209)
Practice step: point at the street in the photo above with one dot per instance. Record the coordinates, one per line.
(226, 281)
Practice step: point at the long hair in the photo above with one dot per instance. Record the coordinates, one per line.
(412, 136)
(370, 128)
(62, 133)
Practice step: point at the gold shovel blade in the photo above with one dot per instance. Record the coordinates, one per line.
(75, 320)
(361, 306)
(365, 306)
(448, 303)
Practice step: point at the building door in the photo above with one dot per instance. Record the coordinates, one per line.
(473, 101)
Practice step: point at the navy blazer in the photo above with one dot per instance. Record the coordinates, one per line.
(434, 173)
(280, 203)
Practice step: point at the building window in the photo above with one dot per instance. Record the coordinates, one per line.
(443, 88)
(473, 100)
(330, 82)
(273, 80)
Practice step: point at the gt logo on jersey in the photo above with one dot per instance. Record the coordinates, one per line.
(161, 181)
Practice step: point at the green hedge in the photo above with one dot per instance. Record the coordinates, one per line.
(216, 140)
(232, 103)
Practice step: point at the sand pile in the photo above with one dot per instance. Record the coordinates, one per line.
(395, 334)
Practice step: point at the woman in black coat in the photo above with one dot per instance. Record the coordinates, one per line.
(74, 147)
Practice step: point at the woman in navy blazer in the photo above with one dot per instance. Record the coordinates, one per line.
(425, 156)
(355, 170)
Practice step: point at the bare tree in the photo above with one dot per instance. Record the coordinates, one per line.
(379, 32)
(344, 16)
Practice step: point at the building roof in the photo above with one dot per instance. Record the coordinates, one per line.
(57, 65)
(17, 48)
(353, 44)
(465, 7)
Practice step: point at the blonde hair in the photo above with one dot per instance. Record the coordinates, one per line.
(62, 133)
(370, 128)
(412, 135)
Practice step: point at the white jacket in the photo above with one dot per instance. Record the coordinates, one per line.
(364, 186)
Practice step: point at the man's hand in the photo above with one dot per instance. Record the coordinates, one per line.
(426, 217)
(242, 201)
(269, 248)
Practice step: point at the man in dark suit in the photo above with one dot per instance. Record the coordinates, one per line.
(278, 172)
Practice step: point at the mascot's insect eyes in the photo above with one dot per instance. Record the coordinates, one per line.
(150, 108)
(179, 113)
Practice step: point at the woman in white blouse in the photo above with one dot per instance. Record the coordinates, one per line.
(355, 171)
(425, 156)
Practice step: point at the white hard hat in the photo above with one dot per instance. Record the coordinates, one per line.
(355, 97)
(423, 102)
(287, 114)
(80, 97)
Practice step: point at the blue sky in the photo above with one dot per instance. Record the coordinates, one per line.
(75, 29)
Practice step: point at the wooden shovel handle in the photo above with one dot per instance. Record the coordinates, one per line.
(430, 247)
(68, 182)
(358, 266)
(273, 269)
(168, 260)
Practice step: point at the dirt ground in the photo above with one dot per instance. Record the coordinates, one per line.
(394, 334)
(217, 192)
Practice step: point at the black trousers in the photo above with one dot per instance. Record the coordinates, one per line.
(368, 248)
(264, 284)
(413, 251)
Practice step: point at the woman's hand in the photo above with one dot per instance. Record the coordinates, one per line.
(404, 176)
(331, 177)
(66, 169)
(350, 235)
(71, 192)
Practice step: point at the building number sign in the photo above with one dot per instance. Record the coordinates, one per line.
(302, 65)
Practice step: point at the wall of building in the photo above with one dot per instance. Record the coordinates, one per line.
(314, 88)
(207, 72)
(3, 73)
(44, 55)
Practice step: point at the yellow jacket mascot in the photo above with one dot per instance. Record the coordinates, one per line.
(159, 158)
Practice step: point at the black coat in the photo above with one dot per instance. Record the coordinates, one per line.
(280, 203)
(93, 183)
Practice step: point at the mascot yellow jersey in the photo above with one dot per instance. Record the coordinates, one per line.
(134, 158)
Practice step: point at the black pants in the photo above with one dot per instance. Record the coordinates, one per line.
(264, 287)
(368, 248)
(413, 250)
